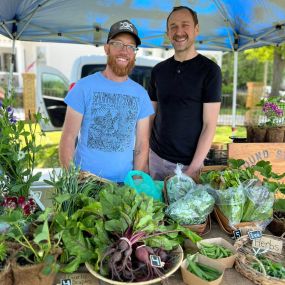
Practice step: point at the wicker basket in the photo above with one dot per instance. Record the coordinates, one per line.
(244, 227)
(84, 175)
(245, 257)
(200, 229)
(176, 266)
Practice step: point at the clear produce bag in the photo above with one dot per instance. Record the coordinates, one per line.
(231, 202)
(178, 185)
(193, 208)
(259, 202)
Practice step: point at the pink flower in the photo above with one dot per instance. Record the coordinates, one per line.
(21, 200)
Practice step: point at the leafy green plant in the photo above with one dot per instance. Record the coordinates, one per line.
(18, 151)
(69, 186)
(38, 245)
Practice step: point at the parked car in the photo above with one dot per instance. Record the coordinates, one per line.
(52, 85)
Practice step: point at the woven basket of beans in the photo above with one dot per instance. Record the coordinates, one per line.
(260, 269)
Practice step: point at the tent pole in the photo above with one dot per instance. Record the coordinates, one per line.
(12, 63)
(234, 104)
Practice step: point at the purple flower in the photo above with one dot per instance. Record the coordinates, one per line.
(9, 109)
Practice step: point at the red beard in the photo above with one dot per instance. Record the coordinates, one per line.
(120, 70)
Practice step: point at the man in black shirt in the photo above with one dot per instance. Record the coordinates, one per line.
(186, 92)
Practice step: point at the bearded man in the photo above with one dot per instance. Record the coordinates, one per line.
(109, 113)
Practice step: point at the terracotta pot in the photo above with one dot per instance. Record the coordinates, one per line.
(259, 134)
(275, 134)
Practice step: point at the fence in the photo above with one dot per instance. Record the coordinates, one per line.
(225, 116)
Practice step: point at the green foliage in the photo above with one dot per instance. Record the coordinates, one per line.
(236, 173)
(248, 70)
(261, 54)
(40, 246)
(3, 251)
(18, 149)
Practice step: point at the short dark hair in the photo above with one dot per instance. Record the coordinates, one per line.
(192, 12)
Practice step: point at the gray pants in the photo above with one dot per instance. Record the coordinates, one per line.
(159, 168)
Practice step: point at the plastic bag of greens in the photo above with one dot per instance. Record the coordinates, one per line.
(178, 185)
(259, 202)
(231, 201)
(193, 208)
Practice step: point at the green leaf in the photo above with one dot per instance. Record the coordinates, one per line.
(62, 198)
(279, 205)
(43, 235)
(164, 242)
(117, 226)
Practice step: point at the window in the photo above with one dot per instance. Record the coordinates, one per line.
(53, 85)
(5, 59)
(140, 74)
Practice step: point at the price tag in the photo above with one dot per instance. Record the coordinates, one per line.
(237, 234)
(66, 282)
(254, 234)
(155, 261)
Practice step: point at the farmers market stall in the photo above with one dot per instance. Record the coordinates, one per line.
(231, 276)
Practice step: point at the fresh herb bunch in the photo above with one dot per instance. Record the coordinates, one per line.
(18, 149)
(69, 185)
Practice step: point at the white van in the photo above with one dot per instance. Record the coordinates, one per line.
(52, 85)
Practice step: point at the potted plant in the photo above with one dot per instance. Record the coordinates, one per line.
(35, 260)
(18, 148)
(275, 121)
(272, 130)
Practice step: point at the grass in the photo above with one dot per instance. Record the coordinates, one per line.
(48, 156)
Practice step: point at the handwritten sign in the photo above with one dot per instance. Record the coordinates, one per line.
(268, 244)
(76, 279)
(155, 261)
(254, 152)
(254, 234)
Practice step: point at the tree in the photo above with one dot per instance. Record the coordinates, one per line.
(266, 54)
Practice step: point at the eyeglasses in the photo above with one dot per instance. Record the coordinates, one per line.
(120, 46)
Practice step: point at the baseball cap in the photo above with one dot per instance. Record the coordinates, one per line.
(124, 26)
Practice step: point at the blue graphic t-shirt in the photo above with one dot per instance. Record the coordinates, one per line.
(110, 113)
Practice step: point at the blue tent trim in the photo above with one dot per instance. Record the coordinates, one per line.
(225, 25)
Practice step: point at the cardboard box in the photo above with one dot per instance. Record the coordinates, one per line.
(191, 279)
(226, 262)
(84, 278)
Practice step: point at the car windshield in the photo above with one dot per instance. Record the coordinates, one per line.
(140, 74)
